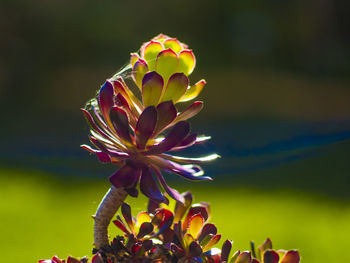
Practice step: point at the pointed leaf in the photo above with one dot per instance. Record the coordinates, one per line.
(139, 70)
(172, 192)
(180, 159)
(193, 91)
(102, 156)
(121, 101)
(120, 123)
(225, 251)
(244, 257)
(191, 111)
(187, 142)
(167, 63)
(145, 229)
(187, 62)
(178, 132)
(152, 86)
(126, 212)
(145, 126)
(105, 99)
(149, 187)
(215, 239)
(208, 229)
(266, 245)
(271, 256)
(121, 226)
(150, 53)
(176, 87)
(166, 114)
(292, 256)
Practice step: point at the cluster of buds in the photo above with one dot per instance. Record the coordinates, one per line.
(137, 132)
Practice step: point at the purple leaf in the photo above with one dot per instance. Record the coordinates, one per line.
(172, 192)
(271, 256)
(120, 123)
(102, 156)
(207, 229)
(179, 132)
(225, 251)
(149, 187)
(166, 114)
(125, 177)
(121, 226)
(105, 98)
(190, 172)
(145, 229)
(93, 124)
(145, 126)
(126, 212)
(187, 142)
(190, 112)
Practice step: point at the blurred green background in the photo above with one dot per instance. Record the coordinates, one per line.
(277, 108)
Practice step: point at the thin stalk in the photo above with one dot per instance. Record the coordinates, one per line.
(108, 207)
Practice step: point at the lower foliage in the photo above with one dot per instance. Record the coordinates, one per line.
(182, 234)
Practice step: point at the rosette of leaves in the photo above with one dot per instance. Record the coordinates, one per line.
(170, 60)
(125, 133)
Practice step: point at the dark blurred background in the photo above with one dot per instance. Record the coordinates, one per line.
(277, 98)
(277, 105)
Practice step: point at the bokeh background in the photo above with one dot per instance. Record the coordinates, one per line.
(277, 108)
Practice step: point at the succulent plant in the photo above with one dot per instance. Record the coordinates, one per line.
(136, 130)
(136, 133)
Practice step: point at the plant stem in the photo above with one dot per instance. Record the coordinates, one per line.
(109, 205)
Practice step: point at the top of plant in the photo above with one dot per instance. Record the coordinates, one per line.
(137, 132)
